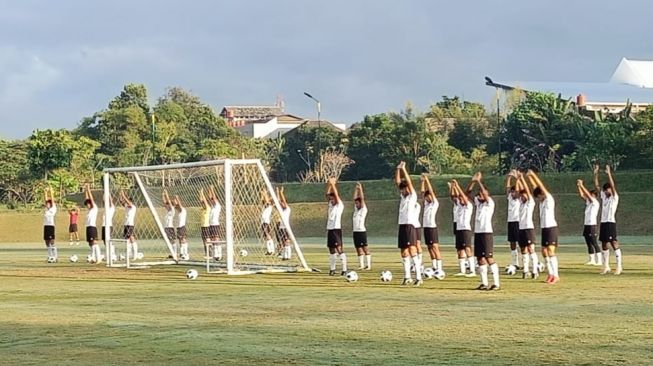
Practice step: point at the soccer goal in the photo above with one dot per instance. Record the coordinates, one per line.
(237, 246)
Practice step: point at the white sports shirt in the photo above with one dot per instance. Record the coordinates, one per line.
(609, 209)
(513, 208)
(214, 214)
(48, 215)
(108, 215)
(406, 207)
(285, 213)
(130, 215)
(334, 216)
(526, 214)
(454, 209)
(591, 211)
(548, 212)
(181, 218)
(465, 212)
(415, 220)
(359, 219)
(266, 215)
(91, 216)
(170, 217)
(484, 213)
(430, 211)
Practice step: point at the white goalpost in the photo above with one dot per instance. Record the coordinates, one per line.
(238, 245)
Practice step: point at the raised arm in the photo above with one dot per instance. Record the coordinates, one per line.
(212, 197)
(358, 193)
(426, 183)
(522, 185)
(88, 195)
(475, 179)
(166, 198)
(463, 199)
(178, 202)
(597, 186)
(485, 195)
(52, 196)
(402, 172)
(282, 196)
(582, 191)
(509, 182)
(536, 182)
(203, 199)
(608, 171)
(264, 197)
(332, 188)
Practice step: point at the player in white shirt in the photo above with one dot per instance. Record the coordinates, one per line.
(266, 220)
(431, 237)
(418, 232)
(406, 238)
(464, 211)
(549, 226)
(181, 229)
(205, 218)
(526, 227)
(359, 229)
(214, 223)
(91, 228)
(334, 228)
(129, 225)
(284, 234)
(608, 228)
(590, 227)
(169, 221)
(484, 236)
(514, 203)
(48, 224)
(107, 219)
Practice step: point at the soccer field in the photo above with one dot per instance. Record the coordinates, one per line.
(78, 314)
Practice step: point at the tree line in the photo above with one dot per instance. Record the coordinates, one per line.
(535, 130)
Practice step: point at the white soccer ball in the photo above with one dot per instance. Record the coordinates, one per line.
(243, 253)
(511, 270)
(386, 276)
(540, 267)
(140, 255)
(439, 274)
(185, 257)
(89, 259)
(192, 274)
(351, 276)
(429, 272)
(51, 260)
(73, 258)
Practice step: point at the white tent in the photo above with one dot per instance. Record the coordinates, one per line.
(634, 72)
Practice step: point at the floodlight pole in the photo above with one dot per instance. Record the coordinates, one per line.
(319, 124)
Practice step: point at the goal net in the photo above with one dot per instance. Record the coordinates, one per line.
(229, 238)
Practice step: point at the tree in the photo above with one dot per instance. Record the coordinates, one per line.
(49, 150)
(372, 144)
(16, 179)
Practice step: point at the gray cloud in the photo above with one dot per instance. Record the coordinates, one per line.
(63, 60)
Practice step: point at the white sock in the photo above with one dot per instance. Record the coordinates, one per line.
(554, 265)
(288, 252)
(50, 251)
(434, 263)
(54, 252)
(599, 258)
(549, 268)
(536, 262)
(368, 258)
(418, 267)
(617, 256)
(419, 256)
(606, 259)
(269, 246)
(472, 265)
(515, 257)
(184, 249)
(343, 261)
(483, 271)
(361, 261)
(438, 264)
(495, 274)
(406, 263)
(217, 251)
(332, 262)
(527, 260)
(592, 258)
(94, 253)
(135, 249)
(461, 262)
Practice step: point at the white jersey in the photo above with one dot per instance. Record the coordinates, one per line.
(214, 214)
(415, 216)
(609, 209)
(359, 219)
(285, 213)
(406, 207)
(526, 214)
(465, 212)
(591, 211)
(91, 216)
(108, 215)
(334, 216)
(548, 212)
(181, 218)
(430, 212)
(48, 215)
(130, 215)
(513, 208)
(454, 209)
(170, 217)
(266, 215)
(484, 213)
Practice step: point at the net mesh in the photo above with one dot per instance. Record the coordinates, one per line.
(249, 254)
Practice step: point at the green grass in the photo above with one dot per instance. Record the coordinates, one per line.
(78, 314)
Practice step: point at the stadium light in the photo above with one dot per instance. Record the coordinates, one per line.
(319, 123)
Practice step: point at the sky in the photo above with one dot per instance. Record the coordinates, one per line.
(63, 60)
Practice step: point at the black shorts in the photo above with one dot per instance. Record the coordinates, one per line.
(334, 238)
(206, 233)
(418, 234)
(214, 231)
(360, 239)
(91, 234)
(455, 227)
(550, 236)
(48, 232)
(431, 236)
(72, 228)
(181, 232)
(483, 245)
(170, 233)
(513, 231)
(463, 239)
(127, 231)
(265, 229)
(526, 237)
(608, 232)
(104, 233)
(406, 236)
(589, 233)
(283, 235)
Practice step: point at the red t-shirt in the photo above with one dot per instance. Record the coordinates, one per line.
(73, 217)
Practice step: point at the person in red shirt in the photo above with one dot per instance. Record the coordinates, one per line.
(73, 231)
